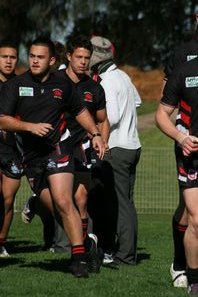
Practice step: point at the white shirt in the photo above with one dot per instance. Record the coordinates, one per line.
(122, 99)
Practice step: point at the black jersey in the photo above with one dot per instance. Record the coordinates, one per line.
(7, 139)
(183, 53)
(181, 90)
(31, 100)
(93, 97)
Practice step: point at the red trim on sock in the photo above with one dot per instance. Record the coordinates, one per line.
(78, 249)
(181, 228)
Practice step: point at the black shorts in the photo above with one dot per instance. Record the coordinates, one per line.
(187, 169)
(38, 169)
(11, 165)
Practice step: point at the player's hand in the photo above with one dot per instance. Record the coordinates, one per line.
(189, 145)
(106, 147)
(99, 146)
(40, 129)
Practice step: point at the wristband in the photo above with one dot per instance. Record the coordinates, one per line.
(180, 137)
(96, 134)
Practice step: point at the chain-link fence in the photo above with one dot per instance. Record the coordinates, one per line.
(156, 189)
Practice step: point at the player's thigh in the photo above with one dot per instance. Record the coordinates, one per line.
(9, 186)
(190, 196)
(61, 186)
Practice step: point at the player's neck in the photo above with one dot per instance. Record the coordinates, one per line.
(73, 76)
(3, 78)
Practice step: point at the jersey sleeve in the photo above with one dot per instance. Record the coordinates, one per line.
(172, 89)
(8, 98)
(101, 100)
(176, 59)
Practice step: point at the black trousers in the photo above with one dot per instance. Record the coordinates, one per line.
(112, 205)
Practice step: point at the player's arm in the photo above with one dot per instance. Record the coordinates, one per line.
(188, 143)
(85, 119)
(10, 123)
(163, 121)
(103, 125)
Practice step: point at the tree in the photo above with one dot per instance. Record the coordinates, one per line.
(22, 20)
(143, 31)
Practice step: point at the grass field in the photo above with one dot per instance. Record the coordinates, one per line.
(30, 272)
(147, 107)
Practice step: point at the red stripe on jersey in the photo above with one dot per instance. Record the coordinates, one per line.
(185, 118)
(64, 159)
(185, 106)
(62, 127)
(63, 124)
(182, 171)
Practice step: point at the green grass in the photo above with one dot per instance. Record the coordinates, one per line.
(30, 272)
(147, 107)
(153, 137)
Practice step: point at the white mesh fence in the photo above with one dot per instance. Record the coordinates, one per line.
(156, 189)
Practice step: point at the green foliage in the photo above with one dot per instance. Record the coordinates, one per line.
(143, 31)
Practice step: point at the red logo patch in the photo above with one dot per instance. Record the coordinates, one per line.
(88, 96)
(57, 93)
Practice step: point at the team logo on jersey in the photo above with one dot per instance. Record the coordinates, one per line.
(26, 91)
(51, 164)
(192, 175)
(191, 82)
(57, 93)
(191, 57)
(88, 96)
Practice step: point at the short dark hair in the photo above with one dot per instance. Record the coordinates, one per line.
(45, 41)
(75, 42)
(11, 44)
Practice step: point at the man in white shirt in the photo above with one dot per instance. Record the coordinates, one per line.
(124, 152)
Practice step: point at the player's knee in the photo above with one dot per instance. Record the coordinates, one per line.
(8, 199)
(65, 206)
(194, 225)
(81, 201)
(8, 206)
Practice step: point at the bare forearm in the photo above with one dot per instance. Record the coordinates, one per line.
(164, 123)
(188, 143)
(86, 121)
(9, 123)
(104, 128)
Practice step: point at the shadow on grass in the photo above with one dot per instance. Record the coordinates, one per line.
(63, 265)
(60, 265)
(23, 246)
(142, 256)
(10, 261)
